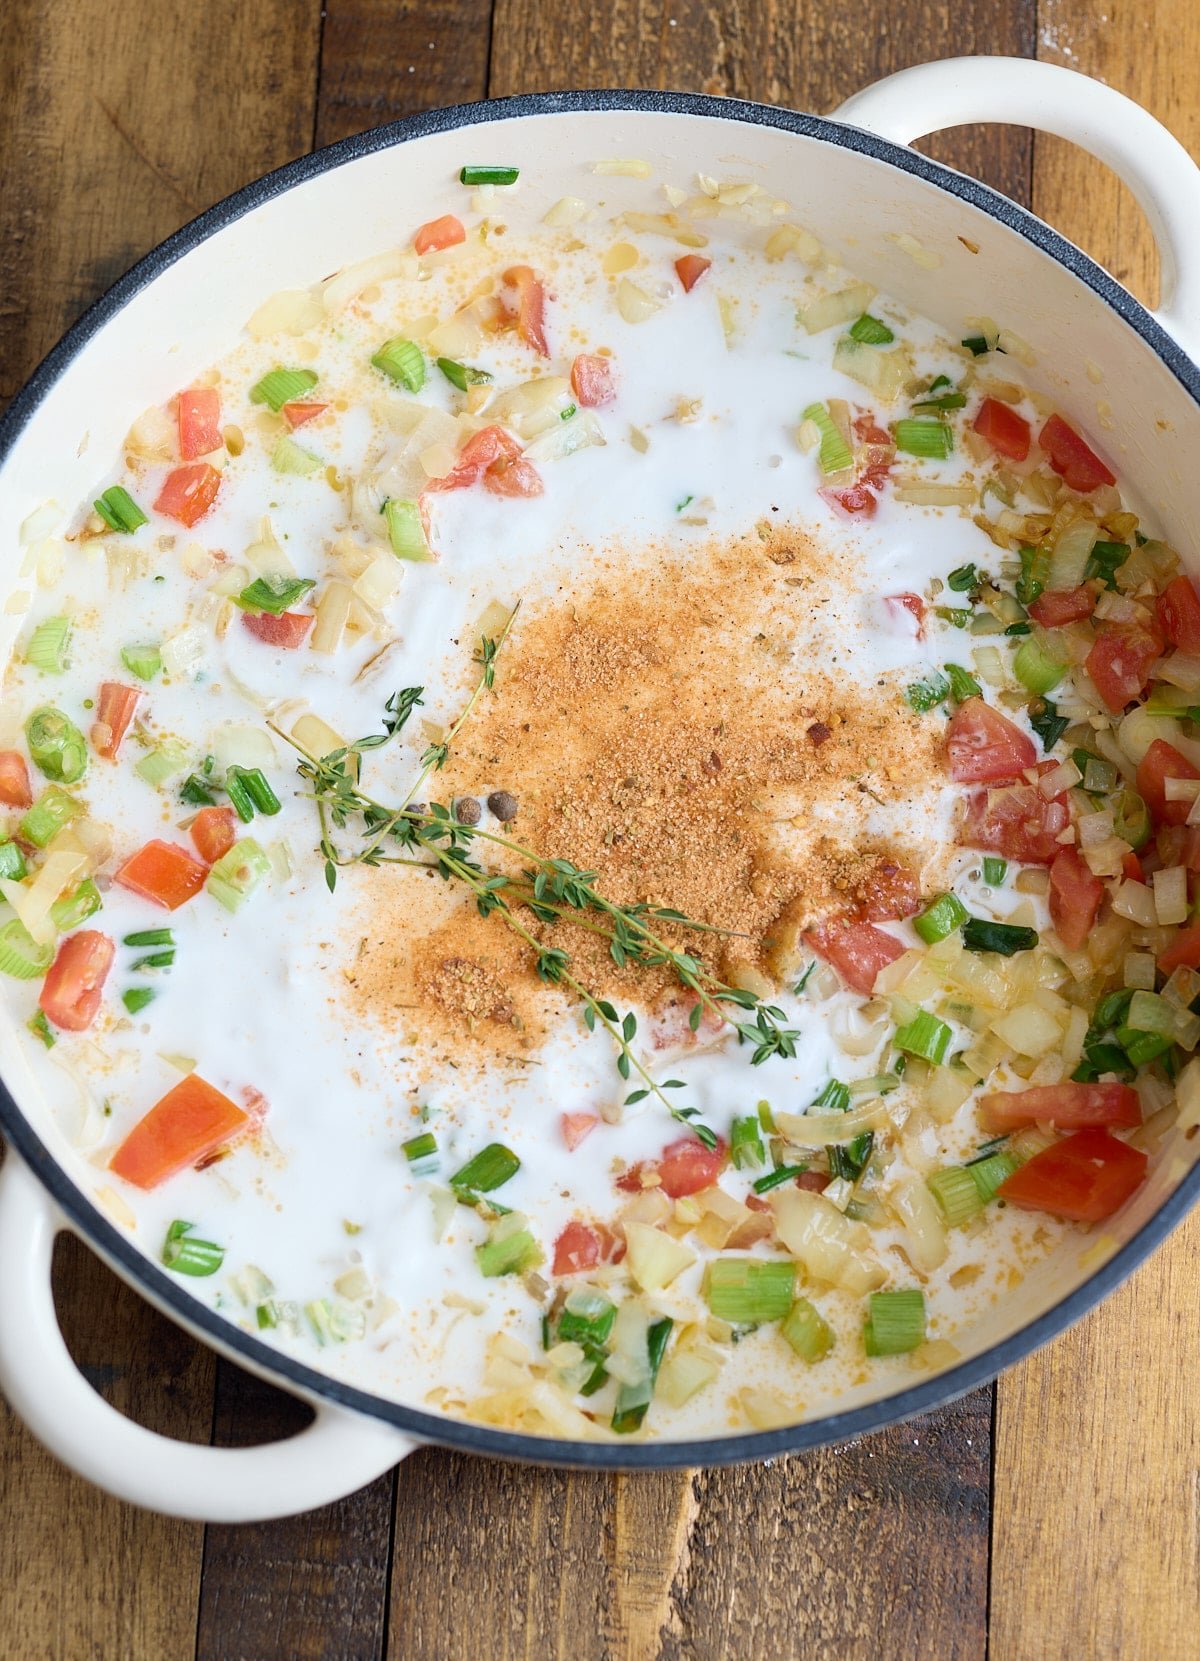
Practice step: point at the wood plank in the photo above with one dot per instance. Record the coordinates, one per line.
(1098, 1437)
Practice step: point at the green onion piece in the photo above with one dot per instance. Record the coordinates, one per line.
(421, 1153)
(634, 1399)
(1035, 569)
(403, 362)
(462, 375)
(1150, 1013)
(290, 457)
(777, 1177)
(1105, 560)
(40, 1028)
(489, 175)
(319, 1316)
(48, 645)
(12, 862)
(1099, 1059)
(189, 1256)
(196, 791)
(683, 502)
(848, 1159)
(926, 695)
(150, 937)
(871, 331)
(994, 871)
(1047, 722)
(895, 1323)
(21, 956)
(1131, 819)
(157, 960)
(957, 616)
(1005, 938)
(118, 510)
(835, 454)
(987, 1174)
(1142, 1047)
(267, 1315)
(76, 907)
(1099, 777)
(236, 875)
(746, 1290)
(281, 386)
(925, 1036)
(566, 414)
(162, 763)
(510, 1249)
(239, 795)
(142, 661)
(962, 684)
(986, 1149)
(956, 1192)
(43, 821)
(406, 533)
(807, 1331)
(746, 1144)
(137, 997)
(259, 788)
(1036, 667)
(963, 578)
(273, 594)
(489, 1169)
(940, 918)
(976, 345)
(587, 1318)
(928, 439)
(944, 400)
(765, 1117)
(56, 744)
(834, 1096)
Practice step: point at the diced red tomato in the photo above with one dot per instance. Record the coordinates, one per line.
(288, 630)
(592, 380)
(164, 873)
(199, 422)
(905, 606)
(856, 501)
(1084, 1178)
(1119, 663)
(437, 234)
(114, 711)
(14, 780)
(1061, 606)
(858, 951)
(1016, 821)
(1178, 612)
(1162, 761)
(816, 1182)
(577, 1248)
(191, 1121)
(188, 492)
(984, 746)
(1070, 1106)
(214, 831)
(1183, 952)
(74, 983)
(525, 299)
(889, 892)
(1071, 457)
(1075, 896)
(686, 1166)
(481, 451)
(670, 1026)
(1131, 867)
(576, 1126)
(297, 413)
(999, 425)
(513, 478)
(689, 268)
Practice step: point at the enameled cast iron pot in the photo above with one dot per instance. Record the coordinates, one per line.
(1119, 370)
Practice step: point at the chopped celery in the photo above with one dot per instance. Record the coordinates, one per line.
(12, 862)
(634, 1399)
(56, 744)
(290, 457)
(925, 1036)
(142, 661)
(163, 762)
(402, 361)
(20, 954)
(940, 918)
(236, 875)
(76, 907)
(510, 1248)
(746, 1144)
(835, 452)
(929, 439)
(746, 1290)
(273, 594)
(42, 822)
(281, 386)
(405, 530)
(957, 1193)
(49, 644)
(1036, 667)
(807, 1331)
(896, 1322)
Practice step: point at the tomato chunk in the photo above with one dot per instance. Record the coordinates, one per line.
(524, 298)
(1016, 821)
(288, 630)
(689, 268)
(192, 1120)
(1075, 896)
(114, 711)
(481, 451)
(999, 425)
(858, 951)
(1084, 1178)
(889, 892)
(1062, 606)
(1070, 1106)
(856, 501)
(685, 1167)
(1162, 761)
(164, 873)
(199, 422)
(1183, 952)
(436, 234)
(188, 492)
(1119, 664)
(592, 380)
(297, 413)
(984, 746)
(1178, 613)
(74, 983)
(577, 1126)
(513, 478)
(214, 831)
(577, 1248)
(14, 780)
(1072, 457)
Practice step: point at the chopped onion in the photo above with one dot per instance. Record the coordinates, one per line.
(622, 168)
(924, 1228)
(1181, 669)
(634, 304)
(333, 608)
(829, 1246)
(928, 495)
(818, 1130)
(1171, 895)
(565, 437)
(1139, 971)
(337, 293)
(238, 744)
(293, 311)
(1135, 901)
(1072, 550)
(568, 210)
(653, 1258)
(793, 239)
(830, 309)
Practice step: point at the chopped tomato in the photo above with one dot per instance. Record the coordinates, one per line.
(1071, 457)
(1119, 663)
(1075, 896)
(575, 1126)
(854, 500)
(858, 951)
(1162, 761)
(671, 1024)
(908, 605)
(1016, 821)
(1084, 1178)
(214, 831)
(1183, 952)
(114, 711)
(592, 380)
(984, 746)
(689, 268)
(1070, 1106)
(164, 873)
(297, 413)
(188, 1123)
(188, 492)
(14, 780)
(288, 630)
(1131, 867)
(816, 1182)
(199, 422)
(481, 451)
(999, 425)
(1061, 606)
(577, 1248)
(1178, 612)
(437, 234)
(889, 892)
(686, 1166)
(71, 991)
(525, 299)
(513, 478)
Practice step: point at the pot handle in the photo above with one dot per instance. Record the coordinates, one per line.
(1026, 93)
(335, 1455)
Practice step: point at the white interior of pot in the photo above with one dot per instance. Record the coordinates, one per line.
(1095, 365)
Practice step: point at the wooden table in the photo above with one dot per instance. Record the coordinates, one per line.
(1057, 1515)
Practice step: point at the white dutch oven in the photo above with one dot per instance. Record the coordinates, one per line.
(1107, 362)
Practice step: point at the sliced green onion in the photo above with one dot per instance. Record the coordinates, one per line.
(834, 1096)
(957, 616)
(118, 510)
(1047, 722)
(162, 763)
(765, 1117)
(988, 1173)
(76, 907)
(196, 791)
(150, 937)
(1131, 819)
(926, 695)
(20, 954)
(994, 871)
(157, 960)
(43, 821)
(940, 918)
(1035, 569)
(281, 386)
(566, 414)
(267, 1315)
(406, 533)
(634, 1399)
(1105, 559)
(510, 1249)
(944, 400)
(290, 457)
(1150, 1013)
(848, 1159)
(462, 375)
(1099, 1059)
(928, 439)
(137, 997)
(777, 1177)
(48, 645)
(962, 579)
(273, 594)
(12, 862)
(489, 175)
(236, 875)
(40, 1028)
(421, 1153)
(189, 1256)
(956, 1191)
(895, 1323)
(835, 453)
(963, 685)
(976, 345)
(56, 744)
(1036, 667)
(925, 1036)
(320, 1318)
(587, 1318)
(871, 331)
(403, 362)
(1142, 1047)
(746, 1144)
(807, 1331)
(239, 795)
(259, 788)
(489, 1169)
(1006, 938)
(142, 661)
(746, 1290)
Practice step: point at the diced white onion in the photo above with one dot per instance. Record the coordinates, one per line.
(238, 744)
(1170, 895)
(633, 303)
(337, 293)
(830, 1247)
(831, 309)
(1136, 902)
(924, 1228)
(293, 311)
